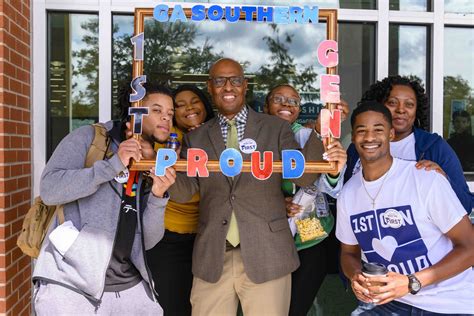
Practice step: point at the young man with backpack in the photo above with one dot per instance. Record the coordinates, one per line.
(94, 262)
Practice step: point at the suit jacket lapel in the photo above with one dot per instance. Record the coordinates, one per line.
(216, 140)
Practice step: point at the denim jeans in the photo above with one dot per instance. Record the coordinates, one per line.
(393, 308)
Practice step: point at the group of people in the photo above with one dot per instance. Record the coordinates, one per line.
(205, 245)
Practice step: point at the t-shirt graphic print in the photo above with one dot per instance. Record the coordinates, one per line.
(391, 236)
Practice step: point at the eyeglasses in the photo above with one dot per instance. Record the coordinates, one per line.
(235, 81)
(279, 99)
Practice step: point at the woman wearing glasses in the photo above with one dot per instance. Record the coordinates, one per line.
(284, 102)
(170, 260)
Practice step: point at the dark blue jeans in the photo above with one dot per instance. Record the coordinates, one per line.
(394, 308)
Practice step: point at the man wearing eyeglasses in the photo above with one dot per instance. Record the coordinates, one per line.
(244, 250)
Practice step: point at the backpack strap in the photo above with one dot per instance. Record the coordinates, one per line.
(60, 213)
(99, 148)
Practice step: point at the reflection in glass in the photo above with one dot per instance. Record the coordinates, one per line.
(459, 93)
(356, 62)
(408, 51)
(410, 5)
(358, 4)
(73, 87)
(459, 6)
(122, 57)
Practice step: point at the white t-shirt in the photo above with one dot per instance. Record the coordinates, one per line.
(405, 148)
(413, 211)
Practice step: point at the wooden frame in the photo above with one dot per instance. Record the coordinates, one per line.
(325, 15)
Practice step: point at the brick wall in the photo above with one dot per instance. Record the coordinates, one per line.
(15, 153)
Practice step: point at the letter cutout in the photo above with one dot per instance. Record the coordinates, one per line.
(137, 42)
(197, 160)
(160, 13)
(198, 13)
(311, 14)
(178, 14)
(165, 158)
(139, 91)
(328, 55)
(249, 11)
(215, 13)
(289, 156)
(331, 123)
(137, 113)
(231, 154)
(330, 89)
(281, 15)
(296, 15)
(267, 170)
(232, 15)
(265, 13)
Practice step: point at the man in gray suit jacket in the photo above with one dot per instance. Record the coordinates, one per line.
(256, 267)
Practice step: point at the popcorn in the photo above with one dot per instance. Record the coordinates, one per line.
(310, 228)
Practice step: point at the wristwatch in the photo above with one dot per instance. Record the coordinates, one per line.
(414, 285)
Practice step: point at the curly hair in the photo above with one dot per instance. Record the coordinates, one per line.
(380, 92)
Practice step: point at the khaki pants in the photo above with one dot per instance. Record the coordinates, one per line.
(222, 298)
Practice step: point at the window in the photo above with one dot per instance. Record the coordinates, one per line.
(458, 119)
(73, 63)
(408, 52)
(122, 29)
(410, 5)
(459, 6)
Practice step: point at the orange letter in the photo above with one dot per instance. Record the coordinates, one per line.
(267, 170)
(197, 160)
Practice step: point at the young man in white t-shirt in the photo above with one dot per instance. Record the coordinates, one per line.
(410, 220)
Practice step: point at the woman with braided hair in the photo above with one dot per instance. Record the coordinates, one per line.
(408, 103)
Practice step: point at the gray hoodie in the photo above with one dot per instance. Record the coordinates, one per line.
(92, 202)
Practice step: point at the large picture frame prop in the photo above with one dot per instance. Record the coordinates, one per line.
(327, 57)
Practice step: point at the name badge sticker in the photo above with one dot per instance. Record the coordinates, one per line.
(122, 176)
(247, 145)
(393, 218)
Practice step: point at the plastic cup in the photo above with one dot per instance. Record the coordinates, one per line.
(373, 269)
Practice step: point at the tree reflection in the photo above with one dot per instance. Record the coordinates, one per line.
(85, 93)
(282, 67)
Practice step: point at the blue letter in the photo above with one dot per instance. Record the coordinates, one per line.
(296, 15)
(265, 14)
(178, 14)
(288, 157)
(215, 13)
(311, 14)
(232, 18)
(228, 155)
(138, 90)
(281, 15)
(198, 13)
(249, 13)
(165, 157)
(137, 113)
(160, 13)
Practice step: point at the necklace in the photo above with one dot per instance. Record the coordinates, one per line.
(378, 191)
